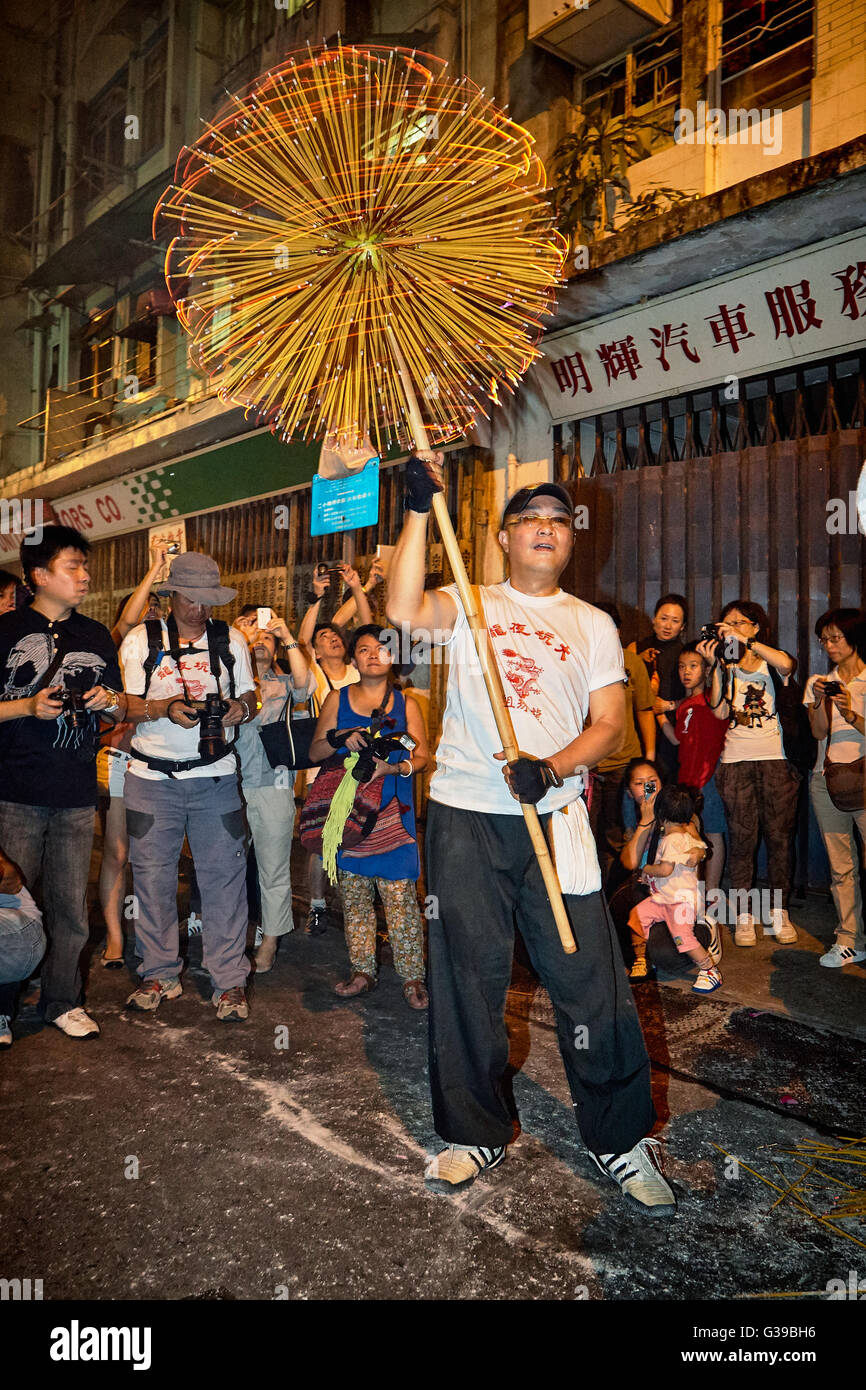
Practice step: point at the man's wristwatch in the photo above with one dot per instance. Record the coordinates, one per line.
(113, 699)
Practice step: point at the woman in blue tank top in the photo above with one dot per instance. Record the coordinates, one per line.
(387, 859)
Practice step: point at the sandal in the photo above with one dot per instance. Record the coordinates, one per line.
(415, 994)
(346, 989)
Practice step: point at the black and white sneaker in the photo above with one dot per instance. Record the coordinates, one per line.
(714, 946)
(459, 1165)
(639, 1174)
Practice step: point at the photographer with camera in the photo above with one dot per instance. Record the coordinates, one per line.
(324, 645)
(644, 780)
(59, 671)
(192, 681)
(757, 777)
(386, 859)
(836, 704)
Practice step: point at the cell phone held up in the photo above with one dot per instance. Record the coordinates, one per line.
(649, 790)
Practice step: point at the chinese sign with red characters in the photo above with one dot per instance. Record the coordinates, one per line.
(807, 306)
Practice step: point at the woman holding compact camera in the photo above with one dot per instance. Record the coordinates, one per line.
(757, 780)
(836, 704)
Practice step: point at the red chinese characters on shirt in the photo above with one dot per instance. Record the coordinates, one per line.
(197, 685)
(522, 673)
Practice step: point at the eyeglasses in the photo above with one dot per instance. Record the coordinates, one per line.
(561, 523)
(830, 641)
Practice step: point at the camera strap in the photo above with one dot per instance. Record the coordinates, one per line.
(219, 655)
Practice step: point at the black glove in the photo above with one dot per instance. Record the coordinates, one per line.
(420, 487)
(337, 737)
(531, 779)
(365, 766)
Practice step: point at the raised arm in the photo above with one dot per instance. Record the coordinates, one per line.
(719, 705)
(424, 611)
(136, 605)
(311, 617)
(357, 601)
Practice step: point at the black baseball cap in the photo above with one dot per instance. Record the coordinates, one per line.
(525, 495)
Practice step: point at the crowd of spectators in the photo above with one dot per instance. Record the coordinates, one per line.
(161, 722)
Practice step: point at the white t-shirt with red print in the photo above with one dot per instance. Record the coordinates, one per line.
(161, 738)
(552, 653)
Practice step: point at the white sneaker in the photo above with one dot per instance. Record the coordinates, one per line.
(459, 1165)
(639, 1175)
(707, 981)
(5, 1031)
(75, 1023)
(836, 956)
(781, 926)
(744, 932)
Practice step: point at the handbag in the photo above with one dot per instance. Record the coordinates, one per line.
(846, 784)
(287, 740)
(388, 832)
(361, 818)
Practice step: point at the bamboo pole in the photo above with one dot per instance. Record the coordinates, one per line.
(490, 670)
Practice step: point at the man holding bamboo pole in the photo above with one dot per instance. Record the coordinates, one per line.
(561, 663)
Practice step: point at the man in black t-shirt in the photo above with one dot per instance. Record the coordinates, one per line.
(58, 671)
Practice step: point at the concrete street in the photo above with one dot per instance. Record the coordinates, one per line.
(180, 1157)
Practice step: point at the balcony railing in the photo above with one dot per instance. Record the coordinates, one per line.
(104, 405)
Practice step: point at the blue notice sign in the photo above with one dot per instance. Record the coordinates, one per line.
(346, 504)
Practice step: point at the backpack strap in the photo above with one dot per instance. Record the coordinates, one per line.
(219, 650)
(219, 655)
(155, 650)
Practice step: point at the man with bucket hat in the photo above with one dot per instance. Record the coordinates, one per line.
(188, 680)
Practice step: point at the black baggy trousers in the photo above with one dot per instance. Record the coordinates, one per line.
(483, 871)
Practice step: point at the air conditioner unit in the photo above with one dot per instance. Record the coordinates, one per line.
(590, 32)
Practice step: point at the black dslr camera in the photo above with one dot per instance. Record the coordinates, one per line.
(212, 740)
(377, 744)
(74, 710)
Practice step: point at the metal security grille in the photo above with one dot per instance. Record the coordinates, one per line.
(814, 399)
